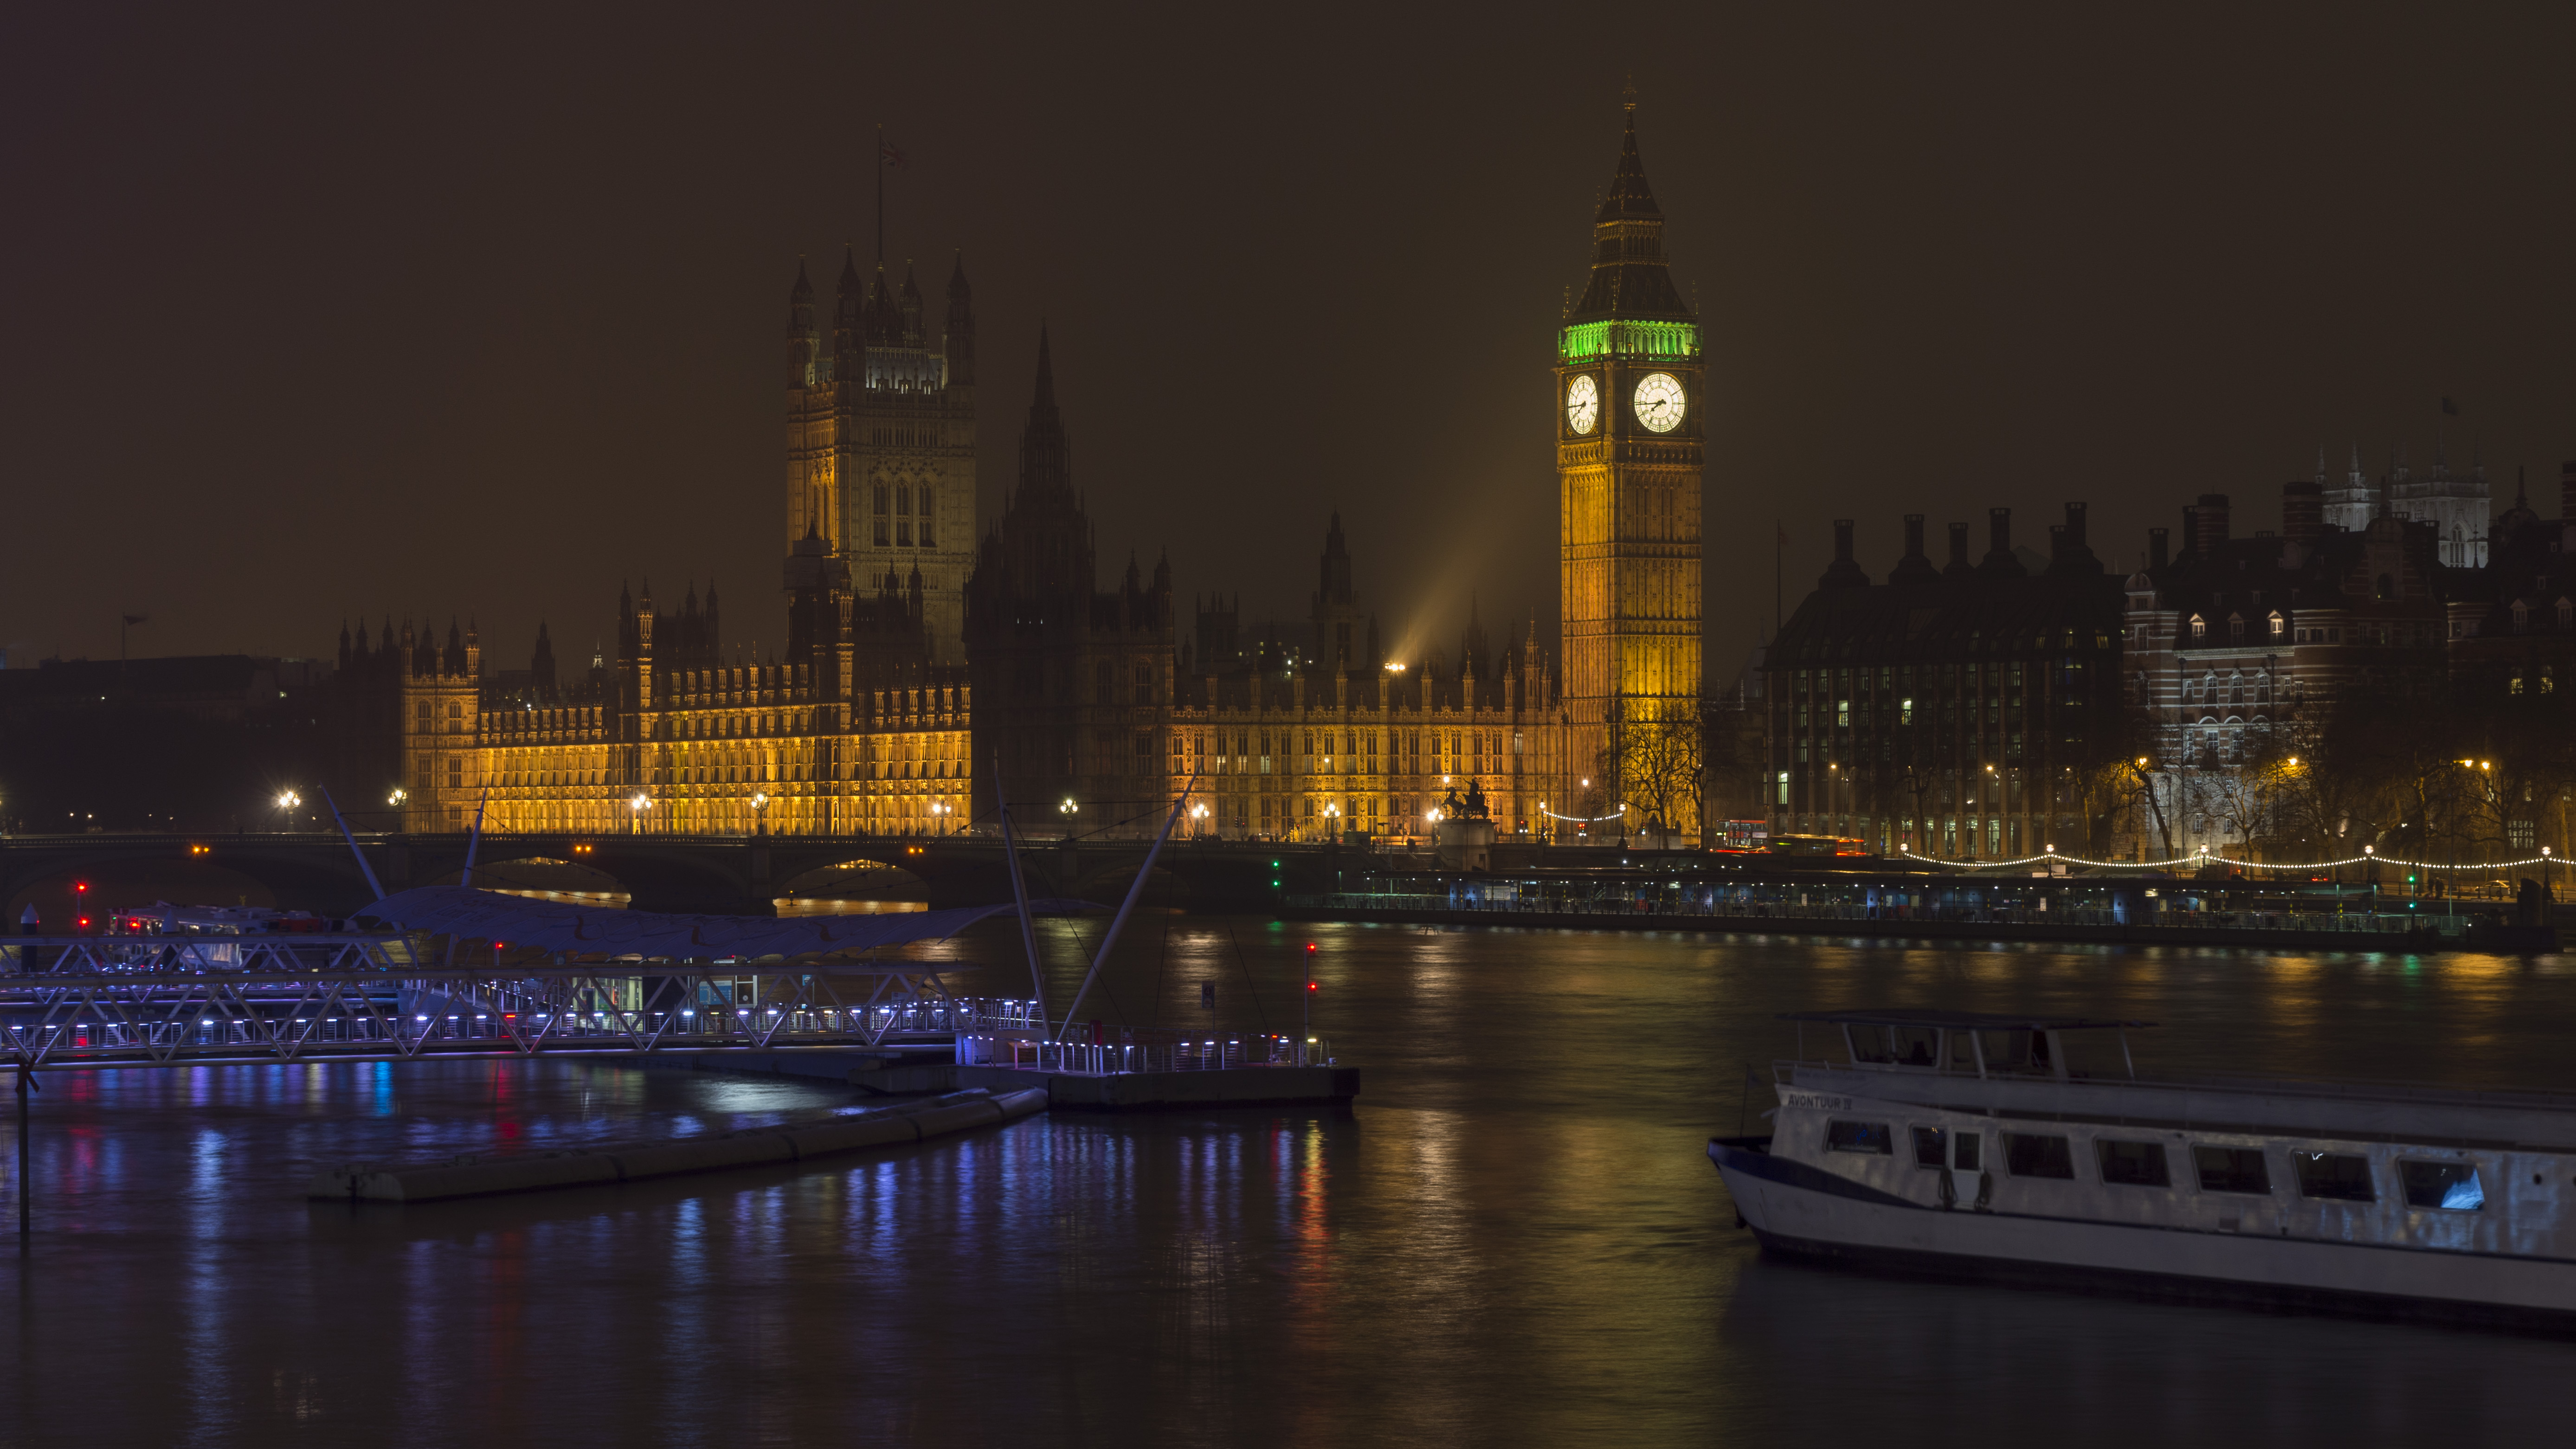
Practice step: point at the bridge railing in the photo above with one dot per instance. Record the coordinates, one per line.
(1792, 914)
(62, 1018)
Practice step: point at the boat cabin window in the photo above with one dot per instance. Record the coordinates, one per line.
(2452, 1185)
(2133, 1164)
(1904, 1046)
(2033, 1156)
(2231, 1169)
(1927, 1147)
(2018, 1051)
(2338, 1176)
(1858, 1137)
(1968, 1144)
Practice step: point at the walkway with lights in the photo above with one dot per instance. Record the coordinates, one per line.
(84, 1001)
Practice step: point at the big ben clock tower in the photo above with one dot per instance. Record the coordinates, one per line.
(1631, 418)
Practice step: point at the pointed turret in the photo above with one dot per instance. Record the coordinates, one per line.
(885, 319)
(850, 297)
(1046, 455)
(1629, 277)
(801, 340)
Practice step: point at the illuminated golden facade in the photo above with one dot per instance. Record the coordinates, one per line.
(1631, 410)
(929, 666)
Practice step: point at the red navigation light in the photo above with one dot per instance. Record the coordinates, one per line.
(80, 887)
(84, 923)
(1311, 986)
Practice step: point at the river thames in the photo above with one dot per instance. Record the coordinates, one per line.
(1514, 1238)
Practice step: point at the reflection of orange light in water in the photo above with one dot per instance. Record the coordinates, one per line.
(821, 906)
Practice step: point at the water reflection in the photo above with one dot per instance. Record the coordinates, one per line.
(1513, 1239)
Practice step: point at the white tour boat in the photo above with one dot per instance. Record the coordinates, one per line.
(1963, 1144)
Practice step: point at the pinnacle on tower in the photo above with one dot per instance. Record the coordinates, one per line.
(1629, 277)
(1629, 195)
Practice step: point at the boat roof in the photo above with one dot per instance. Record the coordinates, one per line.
(1961, 1020)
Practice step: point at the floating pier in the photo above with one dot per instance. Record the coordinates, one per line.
(477, 1176)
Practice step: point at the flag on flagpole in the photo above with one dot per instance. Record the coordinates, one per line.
(889, 155)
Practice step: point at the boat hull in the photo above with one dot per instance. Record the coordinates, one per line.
(1799, 1210)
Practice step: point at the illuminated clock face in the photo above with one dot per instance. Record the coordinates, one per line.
(1659, 402)
(1582, 403)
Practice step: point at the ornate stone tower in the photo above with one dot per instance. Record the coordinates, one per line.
(1630, 426)
(881, 445)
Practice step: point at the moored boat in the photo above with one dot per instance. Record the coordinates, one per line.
(2030, 1149)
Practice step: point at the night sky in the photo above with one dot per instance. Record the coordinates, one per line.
(326, 313)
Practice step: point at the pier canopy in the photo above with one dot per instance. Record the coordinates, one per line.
(464, 912)
(1963, 1020)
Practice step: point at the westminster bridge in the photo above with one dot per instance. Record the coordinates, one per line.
(708, 874)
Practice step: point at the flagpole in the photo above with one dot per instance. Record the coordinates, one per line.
(881, 198)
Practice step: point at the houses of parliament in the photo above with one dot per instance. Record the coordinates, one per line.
(938, 661)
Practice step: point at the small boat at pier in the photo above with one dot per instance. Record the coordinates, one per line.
(2028, 1149)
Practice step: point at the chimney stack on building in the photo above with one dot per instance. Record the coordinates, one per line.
(1958, 549)
(2210, 526)
(1999, 561)
(2159, 552)
(2303, 512)
(1844, 572)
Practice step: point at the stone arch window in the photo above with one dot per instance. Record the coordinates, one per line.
(882, 537)
(1104, 684)
(2521, 616)
(929, 525)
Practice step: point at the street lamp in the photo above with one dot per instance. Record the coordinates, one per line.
(639, 805)
(286, 800)
(398, 796)
(760, 812)
(938, 809)
(1198, 819)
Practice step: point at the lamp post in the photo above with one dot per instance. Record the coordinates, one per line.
(2370, 867)
(1198, 818)
(1068, 810)
(286, 801)
(760, 812)
(939, 810)
(641, 803)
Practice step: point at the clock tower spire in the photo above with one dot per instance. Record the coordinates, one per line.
(1631, 445)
